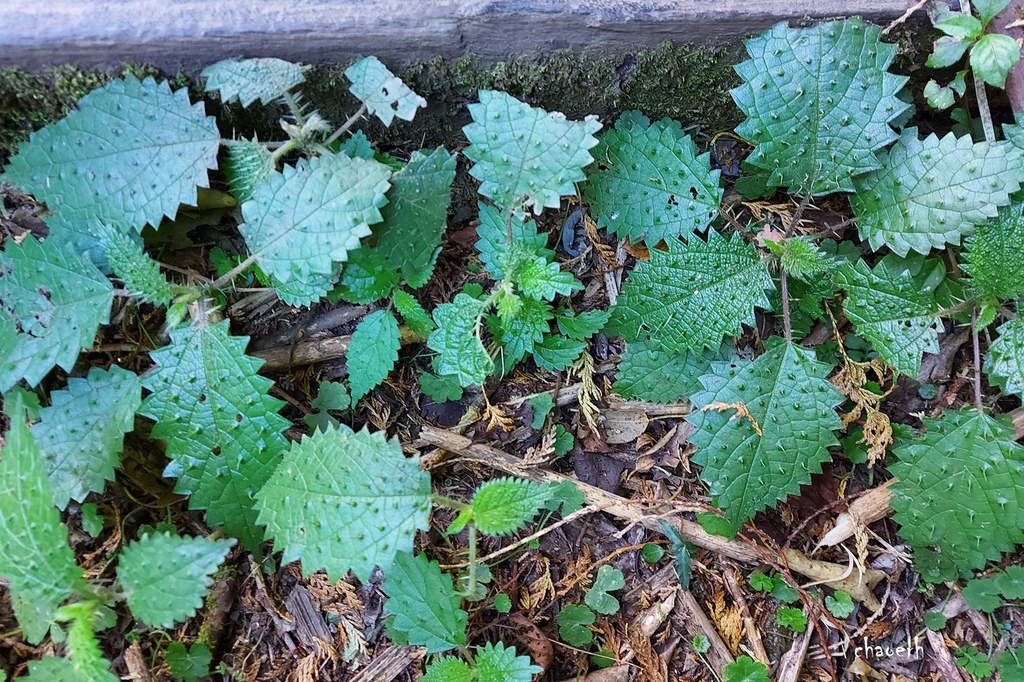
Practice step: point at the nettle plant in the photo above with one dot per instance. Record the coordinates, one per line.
(341, 222)
(940, 228)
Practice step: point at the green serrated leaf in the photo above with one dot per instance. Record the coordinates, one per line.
(415, 317)
(37, 562)
(933, 191)
(760, 582)
(309, 216)
(893, 312)
(53, 669)
(357, 145)
(556, 352)
(305, 292)
(835, 78)
(373, 352)
(982, 595)
(505, 505)
(542, 404)
(792, 618)
(522, 332)
(659, 376)
(582, 326)
(539, 279)
(424, 603)
(746, 669)
(960, 495)
(52, 301)
(499, 663)
(223, 432)
(790, 403)
(840, 605)
(366, 278)
(127, 156)
(247, 164)
(461, 352)
(81, 433)
(650, 184)
(247, 80)
(692, 295)
(140, 274)
(440, 389)
(993, 257)
(328, 504)
(1004, 362)
(573, 620)
(448, 669)
(83, 649)
(416, 214)
(800, 257)
(993, 56)
(498, 255)
(188, 664)
(161, 564)
(92, 520)
(383, 93)
(608, 580)
(526, 157)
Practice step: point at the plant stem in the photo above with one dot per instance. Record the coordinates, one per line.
(471, 560)
(293, 106)
(979, 90)
(346, 125)
(284, 149)
(787, 323)
(977, 360)
(226, 278)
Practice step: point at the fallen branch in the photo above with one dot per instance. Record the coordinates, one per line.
(858, 584)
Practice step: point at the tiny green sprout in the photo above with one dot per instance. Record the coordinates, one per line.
(701, 644)
(792, 618)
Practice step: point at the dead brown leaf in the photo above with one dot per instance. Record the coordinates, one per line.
(741, 411)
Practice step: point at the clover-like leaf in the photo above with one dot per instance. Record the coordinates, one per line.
(461, 352)
(223, 432)
(505, 505)
(330, 504)
(763, 427)
(308, 217)
(608, 580)
(1005, 360)
(573, 620)
(165, 577)
(659, 376)
(82, 431)
(933, 191)
(650, 184)
(52, 301)
(499, 663)
(793, 618)
(993, 257)
(890, 310)
(818, 101)
(373, 352)
(498, 252)
(188, 664)
(959, 499)
(128, 155)
(383, 93)
(525, 157)
(424, 603)
(746, 669)
(841, 605)
(36, 561)
(247, 80)
(416, 214)
(692, 295)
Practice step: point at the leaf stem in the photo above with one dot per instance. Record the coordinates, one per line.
(471, 560)
(347, 124)
(980, 93)
(977, 360)
(293, 106)
(226, 278)
(786, 321)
